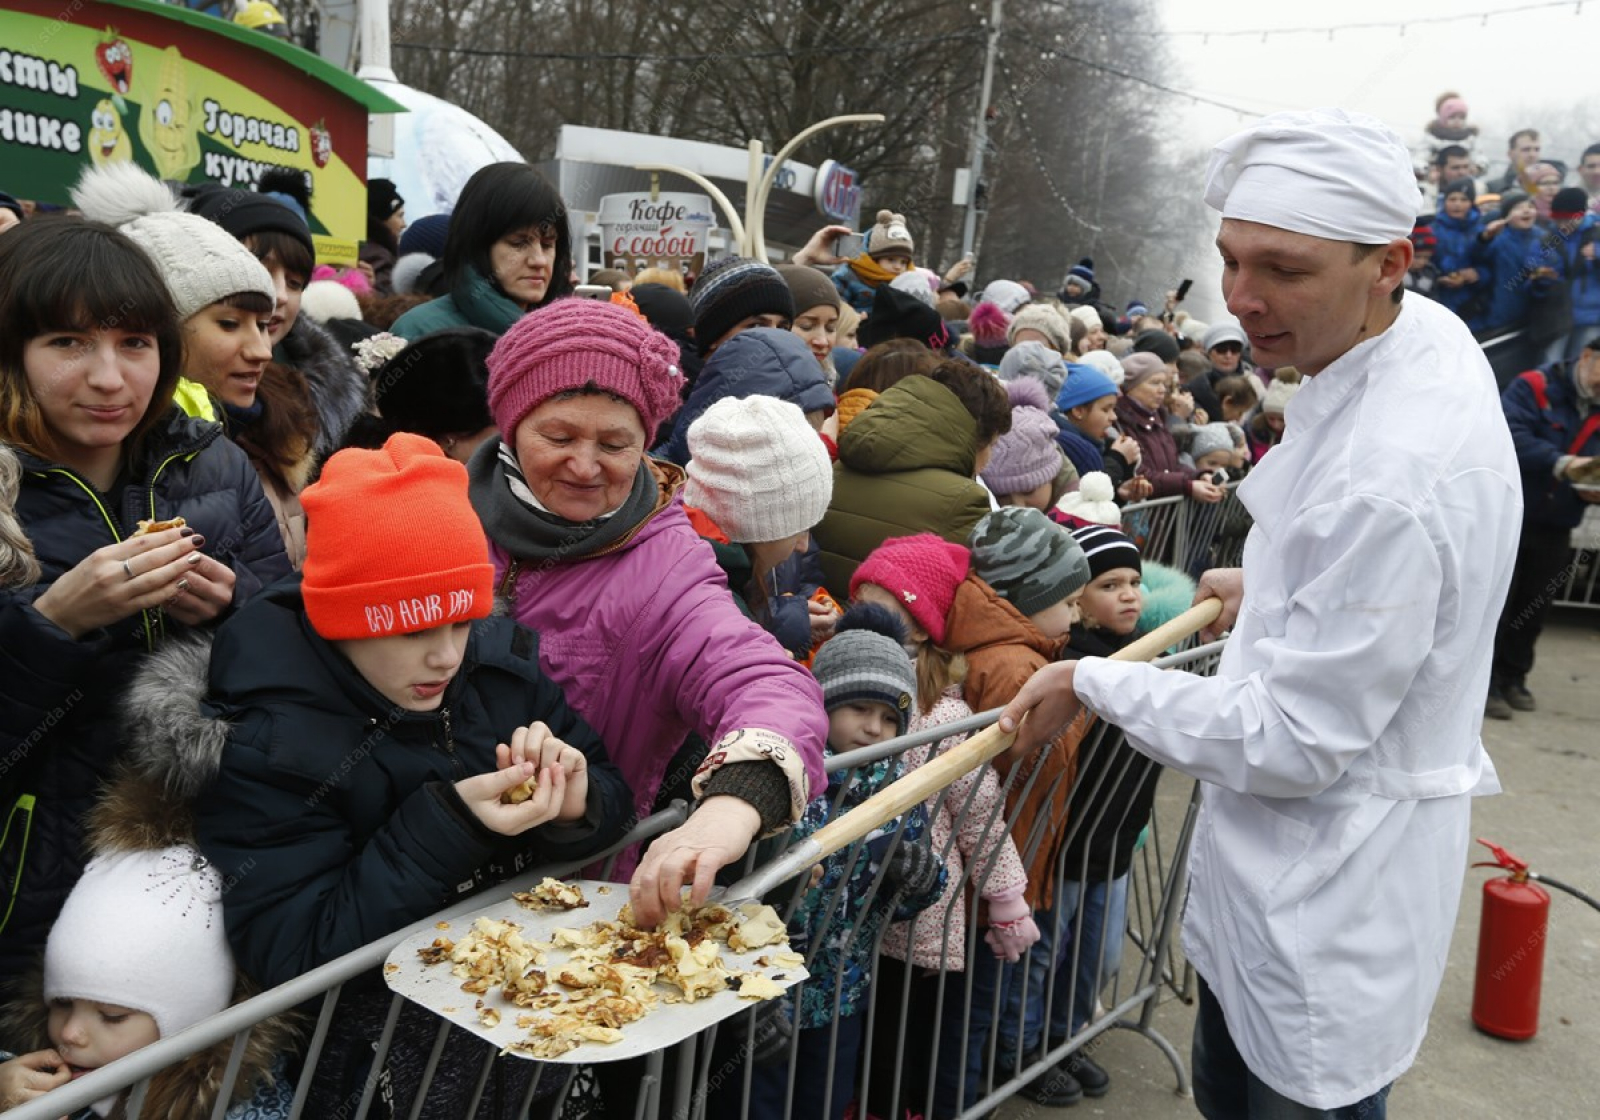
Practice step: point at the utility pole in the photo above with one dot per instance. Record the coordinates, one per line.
(980, 131)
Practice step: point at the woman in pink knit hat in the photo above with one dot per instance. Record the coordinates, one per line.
(593, 548)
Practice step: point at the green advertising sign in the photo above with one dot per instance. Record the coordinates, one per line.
(186, 96)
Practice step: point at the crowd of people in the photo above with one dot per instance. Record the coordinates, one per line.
(1512, 253)
(257, 517)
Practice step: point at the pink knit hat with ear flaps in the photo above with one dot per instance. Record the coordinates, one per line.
(922, 572)
(577, 343)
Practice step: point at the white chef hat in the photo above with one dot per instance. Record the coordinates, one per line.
(1324, 172)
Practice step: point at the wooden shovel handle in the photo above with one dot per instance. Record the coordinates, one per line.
(929, 778)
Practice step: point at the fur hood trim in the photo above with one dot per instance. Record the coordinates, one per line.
(1167, 593)
(188, 1090)
(339, 389)
(173, 753)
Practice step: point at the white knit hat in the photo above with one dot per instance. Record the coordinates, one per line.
(329, 299)
(1106, 363)
(1094, 500)
(200, 261)
(1047, 321)
(143, 930)
(1088, 316)
(914, 283)
(1007, 295)
(1279, 393)
(758, 469)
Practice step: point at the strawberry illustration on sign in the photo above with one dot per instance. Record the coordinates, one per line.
(115, 59)
(321, 144)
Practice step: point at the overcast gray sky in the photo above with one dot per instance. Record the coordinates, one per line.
(1539, 67)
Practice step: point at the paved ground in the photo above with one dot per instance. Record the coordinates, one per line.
(1549, 763)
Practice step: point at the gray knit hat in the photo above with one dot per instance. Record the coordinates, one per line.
(1029, 560)
(200, 261)
(1214, 436)
(1035, 360)
(866, 660)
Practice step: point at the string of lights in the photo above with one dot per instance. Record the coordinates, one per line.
(1037, 150)
(1127, 75)
(1482, 17)
(972, 36)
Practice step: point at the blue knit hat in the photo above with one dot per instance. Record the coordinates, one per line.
(1083, 272)
(730, 291)
(426, 235)
(1083, 384)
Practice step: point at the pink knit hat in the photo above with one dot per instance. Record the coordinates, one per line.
(573, 343)
(922, 572)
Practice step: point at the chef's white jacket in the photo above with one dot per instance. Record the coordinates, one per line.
(1339, 740)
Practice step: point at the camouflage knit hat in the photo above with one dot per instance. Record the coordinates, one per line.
(1029, 560)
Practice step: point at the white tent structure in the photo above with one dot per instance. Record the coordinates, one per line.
(430, 152)
(437, 147)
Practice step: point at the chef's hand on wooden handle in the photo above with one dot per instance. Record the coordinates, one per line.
(1048, 701)
(1226, 584)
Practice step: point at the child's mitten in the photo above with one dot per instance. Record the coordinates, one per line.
(913, 870)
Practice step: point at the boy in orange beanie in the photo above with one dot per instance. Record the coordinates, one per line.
(378, 727)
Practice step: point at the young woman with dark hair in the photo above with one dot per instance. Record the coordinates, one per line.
(310, 392)
(509, 251)
(87, 376)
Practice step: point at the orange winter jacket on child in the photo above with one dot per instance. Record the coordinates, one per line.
(1003, 649)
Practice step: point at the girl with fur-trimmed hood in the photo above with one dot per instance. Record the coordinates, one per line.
(139, 952)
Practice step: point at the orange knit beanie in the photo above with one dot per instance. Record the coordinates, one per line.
(392, 544)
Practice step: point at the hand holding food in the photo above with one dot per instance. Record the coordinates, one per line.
(537, 744)
(122, 579)
(484, 797)
(31, 1075)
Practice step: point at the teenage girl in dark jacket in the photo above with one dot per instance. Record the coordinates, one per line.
(87, 372)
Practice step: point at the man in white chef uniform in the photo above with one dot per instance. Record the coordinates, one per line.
(1338, 741)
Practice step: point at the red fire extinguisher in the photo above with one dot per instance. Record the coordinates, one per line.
(1505, 997)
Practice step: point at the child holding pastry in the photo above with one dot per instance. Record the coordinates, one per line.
(377, 720)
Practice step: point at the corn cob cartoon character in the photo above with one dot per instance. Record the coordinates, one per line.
(166, 124)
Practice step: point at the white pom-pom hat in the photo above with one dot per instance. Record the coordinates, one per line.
(1093, 502)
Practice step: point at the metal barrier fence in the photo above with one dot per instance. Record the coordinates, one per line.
(1580, 578)
(1192, 537)
(1188, 535)
(988, 1027)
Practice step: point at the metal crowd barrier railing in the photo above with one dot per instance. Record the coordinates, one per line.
(326, 982)
(1187, 535)
(711, 1075)
(1192, 537)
